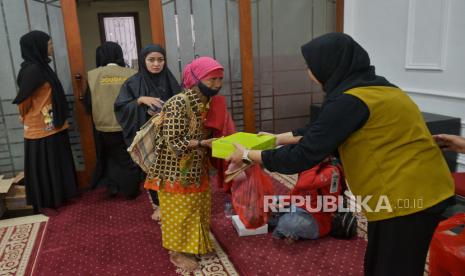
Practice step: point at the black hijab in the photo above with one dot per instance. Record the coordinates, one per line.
(339, 63)
(35, 71)
(163, 85)
(109, 52)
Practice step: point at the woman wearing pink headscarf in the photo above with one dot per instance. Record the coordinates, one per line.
(180, 169)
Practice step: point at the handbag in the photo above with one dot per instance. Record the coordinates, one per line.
(142, 148)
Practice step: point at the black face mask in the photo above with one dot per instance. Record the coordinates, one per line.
(209, 92)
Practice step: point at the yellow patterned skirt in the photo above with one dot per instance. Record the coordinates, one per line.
(186, 222)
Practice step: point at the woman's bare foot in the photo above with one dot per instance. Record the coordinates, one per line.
(156, 214)
(184, 261)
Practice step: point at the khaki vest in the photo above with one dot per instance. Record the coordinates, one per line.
(394, 155)
(104, 84)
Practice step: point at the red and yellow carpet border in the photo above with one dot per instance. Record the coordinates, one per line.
(20, 240)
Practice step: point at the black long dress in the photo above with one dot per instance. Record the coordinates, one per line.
(49, 171)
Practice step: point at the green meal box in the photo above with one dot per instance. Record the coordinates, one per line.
(223, 147)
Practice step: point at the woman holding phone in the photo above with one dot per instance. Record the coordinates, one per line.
(143, 95)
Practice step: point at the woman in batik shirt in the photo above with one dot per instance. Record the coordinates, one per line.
(180, 169)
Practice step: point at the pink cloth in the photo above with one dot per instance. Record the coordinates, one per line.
(200, 68)
(220, 121)
(217, 73)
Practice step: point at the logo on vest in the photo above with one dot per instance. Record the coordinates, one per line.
(112, 80)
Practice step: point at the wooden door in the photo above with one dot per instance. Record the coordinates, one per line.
(78, 73)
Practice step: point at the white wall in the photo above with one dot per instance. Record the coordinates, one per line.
(418, 45)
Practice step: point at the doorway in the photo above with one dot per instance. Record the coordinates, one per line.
(82, 37)
(124, 22)
(124, 29)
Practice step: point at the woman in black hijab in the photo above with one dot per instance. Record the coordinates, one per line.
(145, 92)
(35, 71)
(143, 95)
(50, 176)
(390, 159)
(339, 63)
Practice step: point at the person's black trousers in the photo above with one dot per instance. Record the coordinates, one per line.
(154, 196)
(399, 246)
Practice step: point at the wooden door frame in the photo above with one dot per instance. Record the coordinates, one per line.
(78, 73)
(156, 22)
(247, 66)
(340, 16)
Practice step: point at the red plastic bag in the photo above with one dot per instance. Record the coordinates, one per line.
(447, 249)
(248, 197)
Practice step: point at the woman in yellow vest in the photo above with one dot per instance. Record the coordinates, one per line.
(114, 168)
(388, 154)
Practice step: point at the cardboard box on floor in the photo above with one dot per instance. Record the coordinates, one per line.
(19, 179)
(16, 198)
(5, 185)
(12, 195)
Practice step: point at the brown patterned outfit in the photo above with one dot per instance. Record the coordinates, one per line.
(180, 174)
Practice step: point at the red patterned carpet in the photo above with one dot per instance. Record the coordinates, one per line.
(263, 255)
(100, 236)
(20, 240)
